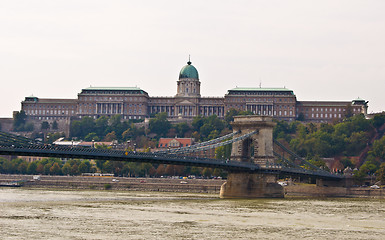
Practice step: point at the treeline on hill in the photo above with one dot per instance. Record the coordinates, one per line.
(346, 140)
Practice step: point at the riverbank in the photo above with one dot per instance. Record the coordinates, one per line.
(211, 186)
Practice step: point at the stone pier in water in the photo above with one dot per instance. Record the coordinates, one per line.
(258, 149)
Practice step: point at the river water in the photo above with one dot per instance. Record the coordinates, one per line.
(47, 214)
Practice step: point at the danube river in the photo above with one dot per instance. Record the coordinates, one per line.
(48, 214)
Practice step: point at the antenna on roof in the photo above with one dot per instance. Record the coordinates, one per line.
(260, 83)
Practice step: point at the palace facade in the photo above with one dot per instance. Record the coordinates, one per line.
(135, 103)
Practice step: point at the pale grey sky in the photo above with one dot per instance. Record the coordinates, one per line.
(322, 50)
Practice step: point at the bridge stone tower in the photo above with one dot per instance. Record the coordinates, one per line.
(258, 149)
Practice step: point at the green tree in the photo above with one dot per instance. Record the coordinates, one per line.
(40, 168)
(19, 121)
(66, 169)
(108, 167)
(82, 128)
(55, 169)
(47, 168)
(207, 172)
(182, 129)
(380, 173)
(91, 136)
(101, 126)
(22, 167)
(45, 126)
(159, 125)
(378, 120)
(378, 149)
(197, 123)
(229, 116)
(32, 166)
(55, 125)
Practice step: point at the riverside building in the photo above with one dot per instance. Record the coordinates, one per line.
(135, 103)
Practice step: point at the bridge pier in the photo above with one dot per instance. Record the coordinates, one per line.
(258, 149)
(251, 185)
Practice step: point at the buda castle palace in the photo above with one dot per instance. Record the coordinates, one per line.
(135, 103)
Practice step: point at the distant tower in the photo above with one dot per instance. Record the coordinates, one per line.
(188, 83)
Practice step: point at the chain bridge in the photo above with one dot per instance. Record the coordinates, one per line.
(253, 152)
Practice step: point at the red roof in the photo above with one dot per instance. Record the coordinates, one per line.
(175, 142)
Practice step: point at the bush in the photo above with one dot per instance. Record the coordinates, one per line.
(107, 186)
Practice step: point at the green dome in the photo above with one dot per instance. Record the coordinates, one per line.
(188, 71)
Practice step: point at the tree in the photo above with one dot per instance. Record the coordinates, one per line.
(74, 169)
(19, 121)
(32, 166)
(318, 162)
(378, 120)
(160, 171)
(378, 149)
(380, 173)
(207, 172)
(229, 117)
(183, 128)
(108, 167)
(85, 166)
(368, 168)
(159, 125)
(346, 162)
(82, 128)
(91, 136)
(66, 169)
(55, 169)
(101, 126)
(301, 117)
(40, 168)
(110, 137)
(117, 167)
(47, 168)
(55, 125)
(169, 171)
(22, 168)
(45, 126)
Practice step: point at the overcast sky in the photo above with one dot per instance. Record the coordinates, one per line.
(322, 50)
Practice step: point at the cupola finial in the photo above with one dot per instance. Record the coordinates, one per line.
(189, 62)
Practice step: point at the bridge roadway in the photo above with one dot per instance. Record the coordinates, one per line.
(158, 158)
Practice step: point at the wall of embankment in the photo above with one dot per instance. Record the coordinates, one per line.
(315, 191)
(176, 185)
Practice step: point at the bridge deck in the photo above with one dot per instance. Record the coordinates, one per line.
(159, 158)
